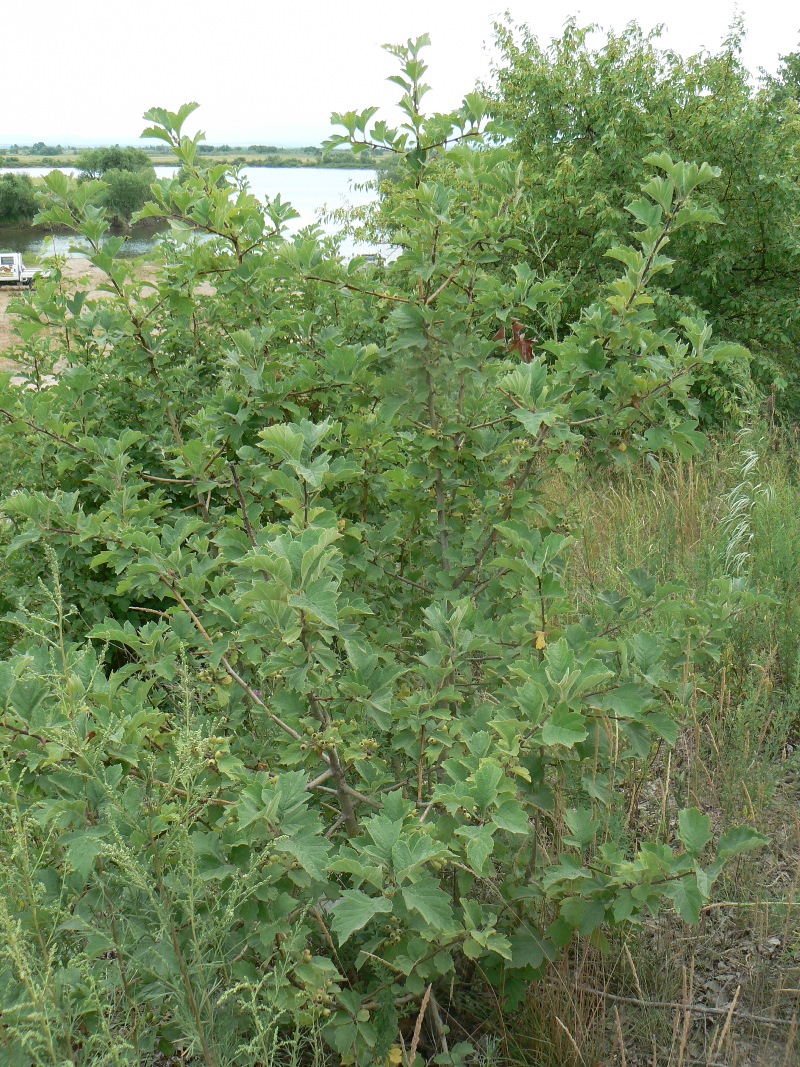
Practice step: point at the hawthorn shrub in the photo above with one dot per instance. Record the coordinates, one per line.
(300, 729)
(580, 109)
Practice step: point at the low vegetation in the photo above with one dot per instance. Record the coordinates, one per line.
(400, 658)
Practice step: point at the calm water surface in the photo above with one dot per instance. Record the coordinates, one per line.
(311, 191)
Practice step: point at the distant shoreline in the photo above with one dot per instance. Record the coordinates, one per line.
(336, 160)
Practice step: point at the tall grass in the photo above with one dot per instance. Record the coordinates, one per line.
(726, 992)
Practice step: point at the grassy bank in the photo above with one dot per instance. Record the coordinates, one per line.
(725, 992)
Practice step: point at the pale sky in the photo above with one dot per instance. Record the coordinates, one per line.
(271, 71)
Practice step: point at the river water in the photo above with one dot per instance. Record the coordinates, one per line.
(313, 191)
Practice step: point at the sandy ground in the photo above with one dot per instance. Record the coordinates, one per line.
(77, 271)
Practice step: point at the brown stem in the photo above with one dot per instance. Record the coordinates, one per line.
(42, 430)
(243, 506)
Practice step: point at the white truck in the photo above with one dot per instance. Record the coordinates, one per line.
(14, 272)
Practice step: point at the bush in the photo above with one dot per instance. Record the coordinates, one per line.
(127, 192)
(303, 728)
(17, 199)
(583, 117)
(128, 173)
(96, 162)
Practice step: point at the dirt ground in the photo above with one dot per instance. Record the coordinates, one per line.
(77, 271)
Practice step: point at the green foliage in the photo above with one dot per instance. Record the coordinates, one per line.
(17, 199)
(787, 82)
(303, 723)
(127, 192)
(584, 116)
(127, 173)
(96, 162)
(42, 149)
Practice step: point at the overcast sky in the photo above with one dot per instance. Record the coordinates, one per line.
(271, 71)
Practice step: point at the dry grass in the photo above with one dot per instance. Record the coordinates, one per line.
(727, 992)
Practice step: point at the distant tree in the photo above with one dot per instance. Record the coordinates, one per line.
(128, 173)
(96, 162)
(42, 149)
(127, 191)
(17, 199)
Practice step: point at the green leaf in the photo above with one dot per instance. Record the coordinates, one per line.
(694, 830)
(583, 915)
(484, 783)
(283, 441)
(510, 816)
(310, 852)
(354, 910)
(738, 840)
(663, 725)
(687, 898)
(480, 845)
(527, 949)
(83, 848)
(582, 827)
(429, 899)
(566, 728)
(733, 843)
(320, 600)
(627, 701)
(645, 212)
(385, 833)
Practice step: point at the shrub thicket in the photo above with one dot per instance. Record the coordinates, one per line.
(303, 727)
(584, 115)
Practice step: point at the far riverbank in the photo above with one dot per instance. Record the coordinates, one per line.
(280, 159)
(314, 192)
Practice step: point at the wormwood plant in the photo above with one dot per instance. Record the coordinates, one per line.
(304, 729)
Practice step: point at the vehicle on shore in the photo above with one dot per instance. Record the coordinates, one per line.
(14, 272)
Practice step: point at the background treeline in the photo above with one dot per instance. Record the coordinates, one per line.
(254, 155)
(310, 156)
(129, 173)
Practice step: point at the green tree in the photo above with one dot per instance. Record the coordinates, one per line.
(128, 174)
(17, 199)
(584, 117)
(127, 192)
(95, 162)
(42, 149)
(786, 84)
